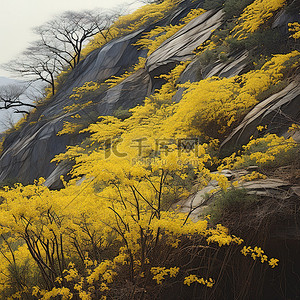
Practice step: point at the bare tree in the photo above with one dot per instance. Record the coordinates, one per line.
(11, 97)
(66, 35)
(59, 46)
(37, 63)
(6, 122)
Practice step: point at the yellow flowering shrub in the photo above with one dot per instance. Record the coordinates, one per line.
(254, 15)
(295, 29)
(1, 144)
(115, 80)
(118, 208)
(70, 128)
(257, 252)
(79, 97)
(262, 152)
(212, 105)
(160, 273)
(193, 278)
(77, 223)
(153, 39)
(125, 24)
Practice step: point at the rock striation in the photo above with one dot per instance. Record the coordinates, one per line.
(278, 112)
(28, 152)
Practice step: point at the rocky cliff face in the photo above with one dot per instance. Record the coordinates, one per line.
(27, 153)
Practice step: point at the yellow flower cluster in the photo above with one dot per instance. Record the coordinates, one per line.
(1, 145)
(115, 80)
(257, 252)
(69, 128)
(153, 39)
(87, 87)
(63, 292)
(294, 127)
(193, 278)
(161, 272)
(220, 235)
(254, 15)
(295, 29)
(253, 176)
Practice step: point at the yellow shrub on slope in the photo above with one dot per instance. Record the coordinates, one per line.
(211, 106)
(153, 39)
(295, 28)
(254, 15)
(125, 24)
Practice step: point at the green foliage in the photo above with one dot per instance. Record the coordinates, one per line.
(261, 41)
(277, 87)
(122, 113)
(212, 4)
(233, 8)
(212, 55)
(230, 201)
(9, 182)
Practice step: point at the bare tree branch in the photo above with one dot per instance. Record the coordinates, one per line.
(11, 97)
(59, 47)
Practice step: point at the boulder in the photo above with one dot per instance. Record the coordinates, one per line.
(127, 94)
(197, 205)
(181, 45)
(278, 112)
(235, 65)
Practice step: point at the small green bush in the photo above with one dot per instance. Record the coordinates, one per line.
(122, 113)
(212, 4)
(233, 200)
(233, 8)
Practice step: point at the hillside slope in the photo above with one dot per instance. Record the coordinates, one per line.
(179, 124)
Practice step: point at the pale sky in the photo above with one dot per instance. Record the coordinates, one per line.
(18, 17)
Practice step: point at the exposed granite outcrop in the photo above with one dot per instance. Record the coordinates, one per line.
(181, 45)
(28, 152)
(278, 112)
(234, 65)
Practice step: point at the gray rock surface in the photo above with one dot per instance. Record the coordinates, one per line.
(28, 152)
(195, 72)
(127, 94)
(198, 204)
(278, 112)
(232, 67)
(110, 60)
(180, 46)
